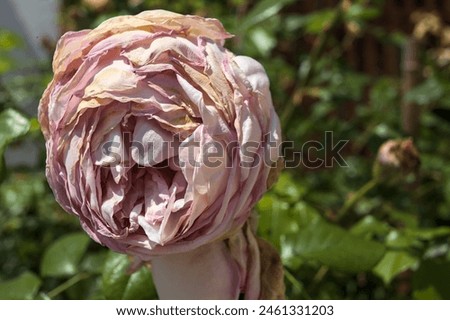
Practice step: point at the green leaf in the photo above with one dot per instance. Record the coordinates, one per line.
(287, 188)
(118, 283)
(406, 219)
(19, 194)
(428, 92)
(331, 245)
(320, 21)
(433, 276)
(9, 40)
(12, 125)
(358, 12)
(86, 289)
(436, 250)
(262, 11)
(24, 286)
(384, 93)
(295, 22)
(34, 125)
(401, 240)
(6, 63)
(94, 262)
(63, 257)
(263, 41)
(431, 233)
(429, 293)
(140, 286)
(394, 263)
(274, 220)
(369, 227)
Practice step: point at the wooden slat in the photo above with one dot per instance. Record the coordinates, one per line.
(352, 56)
(391, 61)
(430, 5)
(391, 53)
(370, 55)
(445, 9)
(410, 111)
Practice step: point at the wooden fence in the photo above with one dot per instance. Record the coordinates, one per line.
(368, 54)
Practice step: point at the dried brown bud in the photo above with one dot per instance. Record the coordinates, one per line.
(396, 157)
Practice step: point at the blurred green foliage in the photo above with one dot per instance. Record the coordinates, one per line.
(392, 243)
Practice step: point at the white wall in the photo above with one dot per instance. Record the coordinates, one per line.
(32, 20)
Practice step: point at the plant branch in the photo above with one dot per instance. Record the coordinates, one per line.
(316, 54)
(66, 285)
(296, 284)
(354, 198)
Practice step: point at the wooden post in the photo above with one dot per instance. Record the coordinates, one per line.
(391, 55)
(410, 110)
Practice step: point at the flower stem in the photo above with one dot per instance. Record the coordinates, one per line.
(66, 285)
(315, 55)
(296, 284)
(354, 198)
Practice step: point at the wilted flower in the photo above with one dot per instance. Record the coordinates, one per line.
(161, 141)
(395, 159)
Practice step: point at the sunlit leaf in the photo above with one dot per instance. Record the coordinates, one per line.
(369, 227)
(320, 21)
(19, 193)
(437, 250)
(118, 283)
(63, 257)
(263, 41)
(6, 63)
(331, 245)
(295, 22)
(94, 262)
(262, 11)
(394, 263)
(274, 220)
(401, 240)
(12, 126)
(429, 293)
(431, 233)
(24, 286)
(9, 40)
(34, 125)
(288, 189)
(359, 12)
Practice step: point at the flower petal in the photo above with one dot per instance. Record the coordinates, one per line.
(208, 272)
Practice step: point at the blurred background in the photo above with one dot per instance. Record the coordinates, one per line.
(350, 221)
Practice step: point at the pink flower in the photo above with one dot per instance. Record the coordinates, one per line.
(161, 142)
